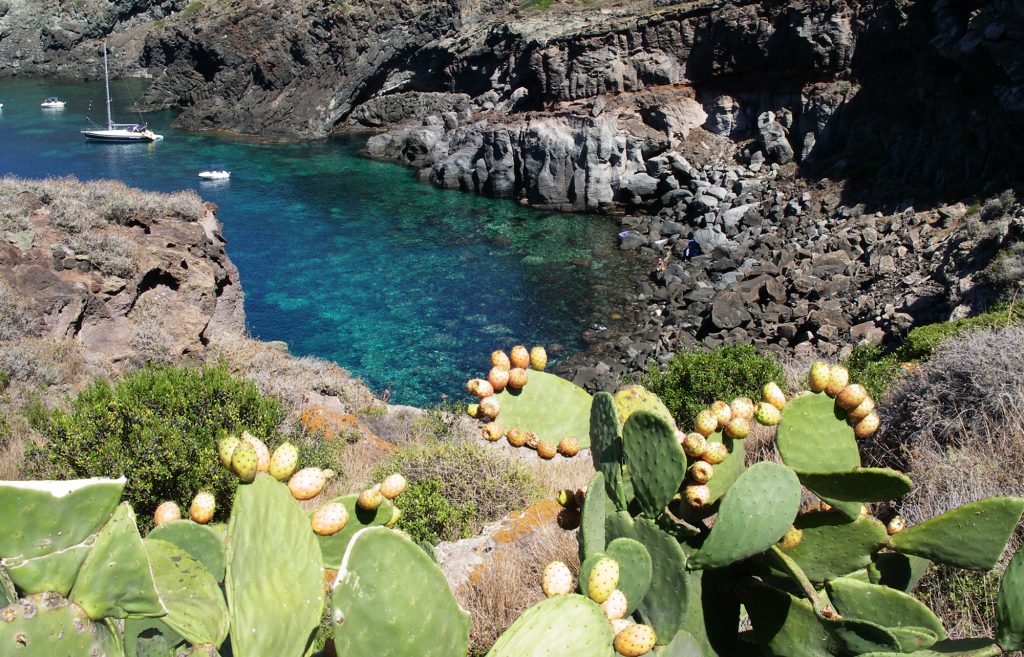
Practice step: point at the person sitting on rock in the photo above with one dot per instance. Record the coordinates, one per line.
(692, 248)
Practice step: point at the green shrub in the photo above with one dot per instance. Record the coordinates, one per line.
(694, 379)
(922, 341)
(159, 427)
(871, 367)
(455, 488)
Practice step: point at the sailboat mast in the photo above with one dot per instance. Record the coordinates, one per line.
(106, 80)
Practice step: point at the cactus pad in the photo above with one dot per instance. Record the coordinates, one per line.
(897, 571)
(858, 636)
(858, 484)
(333, 547)
(275, 574)
(729, 470)
(143, 637)
(202, 542)
(41, 517)
(195, 605)
(972, 536)
(882, 605)
(951, 648)
(592, 518)
(563, 626)
(664, 606)
(115, 580)
(756, 512)
(606, 447)
(833, 545)
(54, 572)
(633, 398)
(656, 462)
(683, 644)
(813, 435)
(48, 625)
(549, 406)
(391, 600)
(1010, 605)
(785, 626)
(634, 569)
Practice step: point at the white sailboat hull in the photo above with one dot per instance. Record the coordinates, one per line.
(121, 136)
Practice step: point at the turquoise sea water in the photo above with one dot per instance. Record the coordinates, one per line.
(341, 257)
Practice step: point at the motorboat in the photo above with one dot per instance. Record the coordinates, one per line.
(121, 133)
(52, 103)
(215, 175)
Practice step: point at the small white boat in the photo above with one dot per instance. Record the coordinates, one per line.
(119, 133)
(214, 175)
(52, 103)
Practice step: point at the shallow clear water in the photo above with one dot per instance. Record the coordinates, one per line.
(341, 257)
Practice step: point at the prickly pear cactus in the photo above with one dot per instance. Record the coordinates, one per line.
(549, 406)
(391, 600)
(275, 574)
(116, 579)
(47, 624)
(817, 584)
(202, 542)
(563, 626)
(333, 547)
(195, 605)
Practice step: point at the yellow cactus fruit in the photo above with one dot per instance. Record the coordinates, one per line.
(715, 453)
(896, 525)
(603, 579)
(569, 447)
(838, 378)
(538, 358)
(516, 437)
(546, 450)
(791, 538)
(864, 409)
(393, 486)
(722, 412)
(742, 407)
(202, 507)
(329, 519)
(867, 426)
(370, 499)
(773, 394)
(738, 428)
(701, 472)
(517, 378)
(519, 357)
(557, 579)
(262, 451)
(307, 483)
(166, 512)
(697, 495)
(490, 407)
(616, 606)
(693, 444)
(851, 396)
(635, 640)
(498, 378)
(500, 360)
(493, 431)
(818, 379)
(706, 423)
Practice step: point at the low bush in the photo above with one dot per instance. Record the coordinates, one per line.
(871, 367)
(159, 426)
(922, 341)
(454, 488)
(694, 379)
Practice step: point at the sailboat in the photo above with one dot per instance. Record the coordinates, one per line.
(119, 132)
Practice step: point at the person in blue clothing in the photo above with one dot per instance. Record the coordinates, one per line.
(692, 248)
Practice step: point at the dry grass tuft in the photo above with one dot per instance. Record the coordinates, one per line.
(512, 583)
(17, 318)
(956, 427)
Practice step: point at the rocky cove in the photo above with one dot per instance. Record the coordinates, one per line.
(830, 158)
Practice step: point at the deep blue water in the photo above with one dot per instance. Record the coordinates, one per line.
(341, 257)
